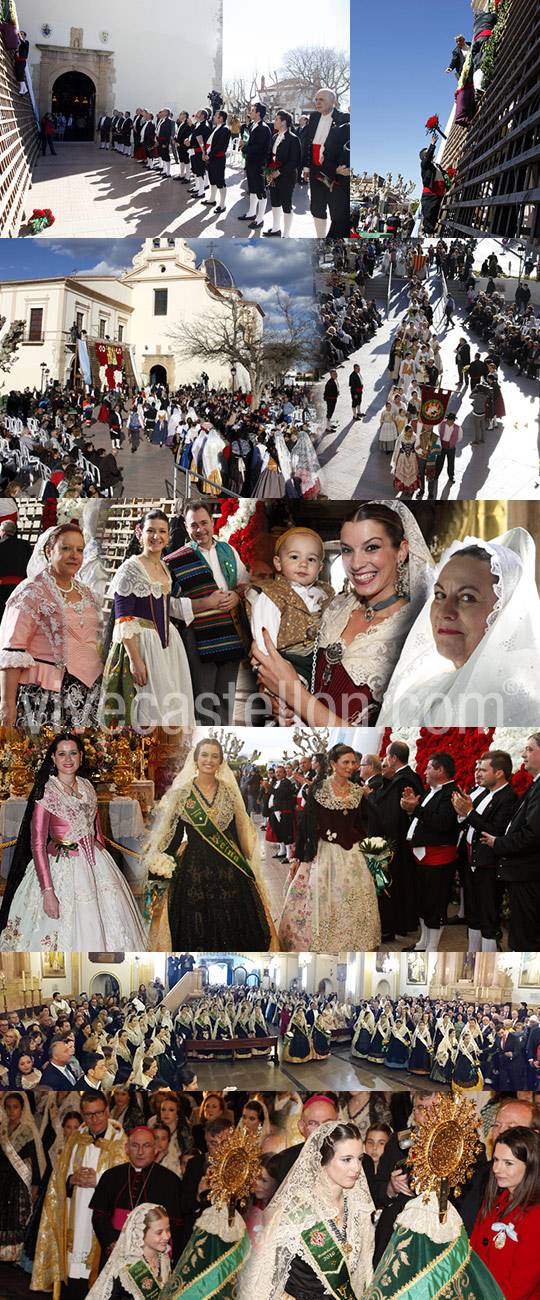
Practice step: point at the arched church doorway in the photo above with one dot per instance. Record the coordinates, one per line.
(106, 984)
(158, 375)
(74, 95)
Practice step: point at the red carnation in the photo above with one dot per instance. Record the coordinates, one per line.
(432, 123)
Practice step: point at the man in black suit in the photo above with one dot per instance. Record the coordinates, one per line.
(164, 131)
(216, 157)
(489, 809)
(257, 150)
(331, 394)
(518, 851)
(281, 807)
(433, 187)
(323, 147)
(371, 772)
(58, 1074)
(105, 124)
(512, 1063)
(395, 823)
(463, 358)
(433, 836)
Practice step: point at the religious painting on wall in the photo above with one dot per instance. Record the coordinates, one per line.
(468, 963)
(106, 958)
(530, 970)
(416, 968)
(380, 959)
(53, 965)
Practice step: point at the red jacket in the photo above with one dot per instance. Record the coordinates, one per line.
(516, 1267)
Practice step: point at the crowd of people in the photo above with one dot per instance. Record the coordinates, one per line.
(277, 155)
(214, 434)
(398, 845)
(136, 1042)
(105, 1184)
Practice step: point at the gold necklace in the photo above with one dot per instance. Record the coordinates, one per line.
(340, 794)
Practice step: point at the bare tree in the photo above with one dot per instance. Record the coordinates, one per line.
(234, 337)
(9, 345)
(317, 66)
(308, 741)
(237, 95)
(232, 744)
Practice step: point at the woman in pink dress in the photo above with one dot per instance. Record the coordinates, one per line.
(50, 669)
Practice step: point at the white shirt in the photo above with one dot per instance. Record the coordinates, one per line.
(323, 129)
(212, 559)
(420, 852)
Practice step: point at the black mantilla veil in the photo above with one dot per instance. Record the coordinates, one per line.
(22, 854)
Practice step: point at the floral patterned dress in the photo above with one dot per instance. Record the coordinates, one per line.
(331, 903)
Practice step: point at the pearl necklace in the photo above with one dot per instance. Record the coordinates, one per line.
(340, 794)
(77, 604)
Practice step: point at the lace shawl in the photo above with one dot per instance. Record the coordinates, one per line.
(371, 657)
(41, 598)
(80, 813)
(131, 579)
(324, 794)
(128, 1249)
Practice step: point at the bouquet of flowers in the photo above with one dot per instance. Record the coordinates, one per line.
(433, 124)
(269, 173)
(160, 871)
(449, 173)
(40, 220)
(378, 853)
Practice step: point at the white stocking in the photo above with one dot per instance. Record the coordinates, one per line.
(261, 209)
(287, 223)
(213, 192)
(320, 224)
(252, 205)
(489, 945)
(223, 198)
(277, 214)
(474, 941)
(419, 947)
(433, 937)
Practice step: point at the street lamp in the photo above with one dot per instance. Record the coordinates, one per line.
(43, 368)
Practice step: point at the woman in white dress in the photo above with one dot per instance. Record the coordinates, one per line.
(484, 617)
(147, 678)
(64, 892)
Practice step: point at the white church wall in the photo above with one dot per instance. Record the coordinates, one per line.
(162, 55)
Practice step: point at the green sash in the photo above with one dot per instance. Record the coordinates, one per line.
(144, 1280)
(329, 1260)
(200, 819)
(206, 1267)
(415, 1267)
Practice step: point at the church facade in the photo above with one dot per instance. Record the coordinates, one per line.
(152, 56)
(143, 309)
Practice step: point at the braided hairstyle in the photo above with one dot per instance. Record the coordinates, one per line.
(22, 854)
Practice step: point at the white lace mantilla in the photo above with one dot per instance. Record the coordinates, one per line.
(80, 813)
(41, 598)
(131, 579)
(371, 657)
(326, 796)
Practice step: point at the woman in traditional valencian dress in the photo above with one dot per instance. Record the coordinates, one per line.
(421, 1057)
(147, 673)
(216, 895)
(318, 1236)
(22, 1165)
(397, 1056)
(331, 900)
(466, 1074)
(389, 570)
(64, 891)
(297, 1043)
(364, 1030)
(139, 1264)
(50, 670)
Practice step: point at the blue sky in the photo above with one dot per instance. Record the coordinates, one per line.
(258, 266)
(399, 53)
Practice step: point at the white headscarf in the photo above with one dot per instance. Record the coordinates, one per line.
(499, 684)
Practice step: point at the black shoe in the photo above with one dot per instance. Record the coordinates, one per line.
(218, 210)
(255, 225)
(208, 203)
(455, 920)
(245, 217)
(272, 234)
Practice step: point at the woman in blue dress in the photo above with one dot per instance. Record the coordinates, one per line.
(397, 1056)
(421, 1057)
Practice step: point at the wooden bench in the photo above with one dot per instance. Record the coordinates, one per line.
(343, 1035)
(222, 1046)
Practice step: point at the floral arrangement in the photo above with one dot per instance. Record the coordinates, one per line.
(40, 220)
(489, 54)
(241, 523)
(378, 853)
(465, 744)
(162, 865)
(449, 173)
(433, 126)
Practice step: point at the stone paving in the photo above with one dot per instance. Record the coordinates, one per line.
(506, 467)
(95, 192)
